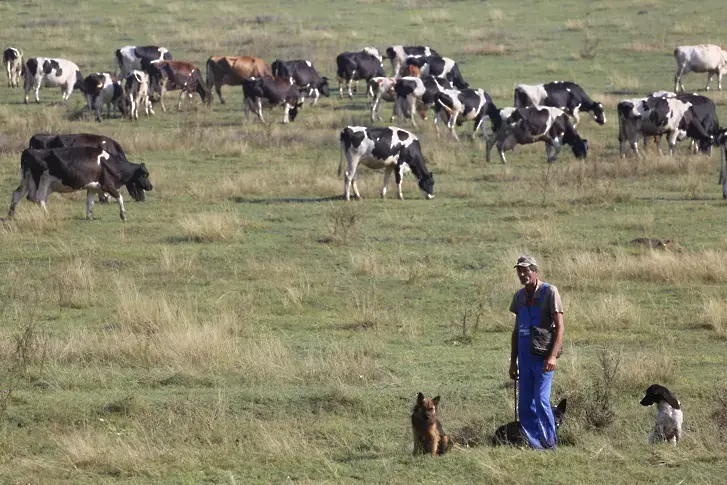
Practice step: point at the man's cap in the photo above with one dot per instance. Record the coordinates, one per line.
(526, 261)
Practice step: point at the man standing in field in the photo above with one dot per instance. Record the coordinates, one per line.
(537, 304)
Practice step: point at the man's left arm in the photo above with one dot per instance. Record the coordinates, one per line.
(551, 362)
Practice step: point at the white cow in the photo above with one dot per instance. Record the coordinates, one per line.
(707, 58)
(137, 90)
(383, 89)
(51, 72)
(13, 61)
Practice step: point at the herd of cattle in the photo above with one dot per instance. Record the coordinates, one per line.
(420, 80)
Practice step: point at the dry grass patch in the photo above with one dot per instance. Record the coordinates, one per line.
(656, 266)
(486, 49)
(74, 283)
(30, 219)
(644, 47)
(610, 312)
(575, 25)
(624, 82)
(713, 315)
(173, 261)
(638, 370)
(210, 226)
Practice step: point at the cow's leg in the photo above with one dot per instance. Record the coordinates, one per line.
(412, 109)
(116, 195)
(89, 204)
(10, 75)
(218, 88)
(16, 198)
(246, 108)
(719, 79)
(672, 141)
(341, 82)
(387, 177)
(501, 150)
(260, 109)
(576, 117)
(350, 93)
(161, 98)
(555, 143)
(36, 89)
(374, 105)
(399, 177)
(181, 97)
(351, 163)
(488, 146)
(286, 113)
(453, 124)
(710, 75)
(315, 94)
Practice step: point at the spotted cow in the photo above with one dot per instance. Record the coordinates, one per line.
(566, 95)
(392, 149)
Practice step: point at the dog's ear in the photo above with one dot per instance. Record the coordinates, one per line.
(561, 405)
(436, 401)
(420, 398)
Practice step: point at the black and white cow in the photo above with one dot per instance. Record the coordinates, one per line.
(455, 106)
(273, 92)
(566, 95)
(50, 72)
(129, 58)
(656, 116)
(521, 126)
(104, 89)
(137, 92)
(708, 58)
(417, 94)
(398, 54)
(701, 122)
(305, 76)
(440, 67)
(392, 149)
(13, 62)
(721, 140)
(42, 141)
(353, 66)
(91, 169)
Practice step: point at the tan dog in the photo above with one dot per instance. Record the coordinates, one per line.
(429, 437)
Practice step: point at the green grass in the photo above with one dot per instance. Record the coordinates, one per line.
(247, 326)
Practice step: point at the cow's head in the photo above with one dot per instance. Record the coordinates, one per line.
(94, 83)
(49, 65)
(598, 113)
(426, 184)
(138, 183)
(580, 148)
(323, 87)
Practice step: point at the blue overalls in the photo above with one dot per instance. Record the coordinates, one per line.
(536, 415)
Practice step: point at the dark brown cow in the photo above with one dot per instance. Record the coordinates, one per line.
(175, 75)
(232, 70)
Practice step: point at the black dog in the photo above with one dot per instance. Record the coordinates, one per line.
(512, 434)
(669, 415)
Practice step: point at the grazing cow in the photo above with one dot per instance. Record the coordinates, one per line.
(43, 71)
(398, 54)
(274, 91)
(305, 76)
(104, 89)
(520, 126)
(137, 91)
(232, 70)
(417, 94)
(393, 149)
(13, 62)
(175, 75)
(91, 169)
(656, 116)
(702, 124)
(353, 66)
(707, 58)
(566, 95)
(466, 105)
(439, 66)
(382, 89)
(46, 141)
(129, 58)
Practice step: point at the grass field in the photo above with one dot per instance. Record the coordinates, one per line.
(248, 326)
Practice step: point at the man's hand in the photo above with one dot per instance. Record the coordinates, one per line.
(513, 370)
(550, 363)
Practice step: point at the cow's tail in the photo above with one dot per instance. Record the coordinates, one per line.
(446, 108)
(343, 137)
(210, 79)
(80, 85)
(458, 79)
(120, 61)
(493, 113)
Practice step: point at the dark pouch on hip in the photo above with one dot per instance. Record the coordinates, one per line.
(541, 341)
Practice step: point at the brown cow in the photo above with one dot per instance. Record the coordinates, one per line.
(173, 75)
(232, 70)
